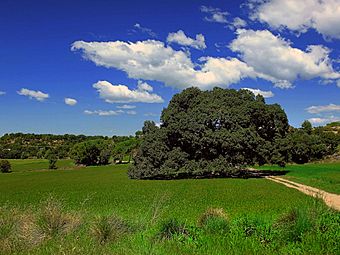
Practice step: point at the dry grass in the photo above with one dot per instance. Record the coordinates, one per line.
(53, 220)
(26, 229)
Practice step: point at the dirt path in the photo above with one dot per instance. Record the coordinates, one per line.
(332, 200)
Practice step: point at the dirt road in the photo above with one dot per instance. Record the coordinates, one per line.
(332, 200)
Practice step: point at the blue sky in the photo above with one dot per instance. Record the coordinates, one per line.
(120, 62)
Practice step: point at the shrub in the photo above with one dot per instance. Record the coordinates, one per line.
(109, 228)
(5, 166)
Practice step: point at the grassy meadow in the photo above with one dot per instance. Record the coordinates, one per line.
(324, 175)
(98, 210)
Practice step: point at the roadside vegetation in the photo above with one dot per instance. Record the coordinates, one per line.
(51, 229)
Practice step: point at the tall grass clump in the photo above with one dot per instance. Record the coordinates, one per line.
(8, 228)
(171, 228)
(53, 220)
(109, 228)
(293, 224)
(214, 220)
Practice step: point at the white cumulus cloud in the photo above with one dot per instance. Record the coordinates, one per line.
(180, 38)
(152, 60)
(319, 121)
(103, 113)
(265, 94)
(237, 23)
(145, 30)
(122, 94)
(126, 106)
(300, 15)
(323, 108)
(274, 59)
(263, 55)
(70, 101)
(38, 95)
(214, 14)
(2, 93)
(143, 86)
(131, 112)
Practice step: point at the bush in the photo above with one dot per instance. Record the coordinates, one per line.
(5, 166)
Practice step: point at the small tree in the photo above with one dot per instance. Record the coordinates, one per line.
(307, 127)
(5, 166)
(52, 159)
(91, 153)
(52, 162)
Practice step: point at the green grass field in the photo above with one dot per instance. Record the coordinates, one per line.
(19, 165)
(106, 189)
(325, 176)
(100, 191)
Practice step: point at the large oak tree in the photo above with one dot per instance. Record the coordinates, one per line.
(211, 133)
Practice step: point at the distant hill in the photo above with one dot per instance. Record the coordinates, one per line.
(21, 146)
(334, 127)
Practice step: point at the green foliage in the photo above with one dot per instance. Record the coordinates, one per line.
(306, 146)
(22, 146)
(5, 166)
(307, 127)
(195, 135)
(125, 148)
(91, 153)
(52, 159)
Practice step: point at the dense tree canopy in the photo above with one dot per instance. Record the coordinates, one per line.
(211, 133)
(21, 146)
(5, 166)
(91, 153)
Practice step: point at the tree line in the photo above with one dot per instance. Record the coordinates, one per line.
(87, 150)
(202, 133)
